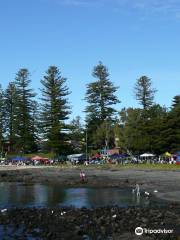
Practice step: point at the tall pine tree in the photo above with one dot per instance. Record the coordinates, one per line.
(55, 109)
(171, 128)
(144, 92)
(77, 135)
(26, 140)
(101, 98)
(2, 120)
(176, 101)
(11, 115)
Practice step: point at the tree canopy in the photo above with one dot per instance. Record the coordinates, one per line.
(54, 109)
(101, 98)
(144, 92)
(29, 123)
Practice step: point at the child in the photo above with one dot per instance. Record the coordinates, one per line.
(82, 176)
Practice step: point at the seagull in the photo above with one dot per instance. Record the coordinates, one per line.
(3, 210)
(146, 193)
(62, 213)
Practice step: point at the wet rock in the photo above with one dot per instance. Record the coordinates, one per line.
(144, 220)
(85, 237)
(4, 175)
(159, 215)
(87, 223)
(128, 211)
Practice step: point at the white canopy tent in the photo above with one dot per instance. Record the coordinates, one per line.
(146, 155)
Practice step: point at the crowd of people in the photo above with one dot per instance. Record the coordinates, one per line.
(96, 159)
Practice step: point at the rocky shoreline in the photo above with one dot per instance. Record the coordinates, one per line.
(89, 224)
(103, 223)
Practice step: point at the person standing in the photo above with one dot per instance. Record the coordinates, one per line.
(82, 176)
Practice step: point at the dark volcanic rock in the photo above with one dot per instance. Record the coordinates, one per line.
(88, 224)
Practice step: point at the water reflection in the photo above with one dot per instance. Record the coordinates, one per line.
(39, 195)
(77, 197)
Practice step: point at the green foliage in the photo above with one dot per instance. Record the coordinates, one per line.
(55, 109)
(176, 102)
(101, 97)
(25, 123)
(2, 117)
(140, 130)
(23, 113)
(130, 133)
(171, 127)
(77, 135)
(11, 114)
(104, 135)
(144, 92)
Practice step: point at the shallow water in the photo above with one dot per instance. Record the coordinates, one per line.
(42, 195)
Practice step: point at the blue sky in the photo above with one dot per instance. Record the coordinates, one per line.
(131, 37)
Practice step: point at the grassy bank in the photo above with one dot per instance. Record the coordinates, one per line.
(126, 166)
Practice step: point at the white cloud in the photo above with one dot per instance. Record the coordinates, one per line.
(164, 7)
